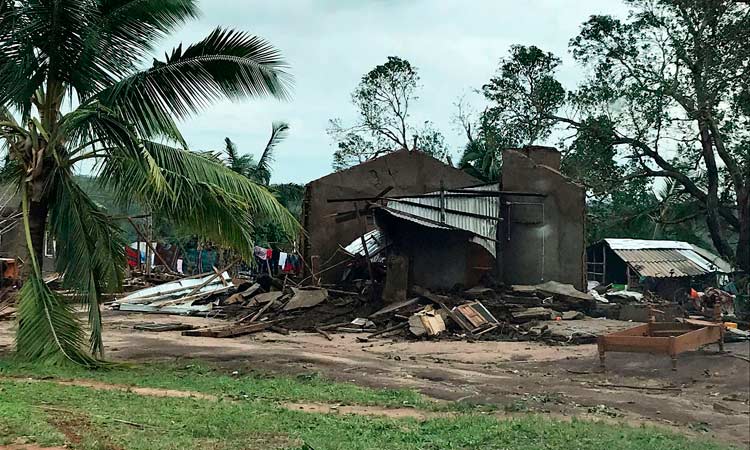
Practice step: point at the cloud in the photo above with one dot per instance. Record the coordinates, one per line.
(330, 44)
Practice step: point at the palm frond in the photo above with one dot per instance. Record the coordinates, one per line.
(47, 327)
(226, 64)
(120, 33)
(279, 132)
(90, 250)
(231, 151)
(200, 194)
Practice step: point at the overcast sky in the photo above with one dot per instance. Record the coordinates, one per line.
(330, 44)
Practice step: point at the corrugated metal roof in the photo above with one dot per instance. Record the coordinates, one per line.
(666, 263)
(375, 244)
(660, 258)
(429, 208)
(643, 244)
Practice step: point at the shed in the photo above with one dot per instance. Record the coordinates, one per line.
(669, 268)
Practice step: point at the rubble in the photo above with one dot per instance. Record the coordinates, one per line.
(551, 311)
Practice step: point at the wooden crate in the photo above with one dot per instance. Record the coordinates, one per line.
(663, 338)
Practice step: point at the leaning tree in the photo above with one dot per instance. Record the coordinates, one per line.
(77, 91)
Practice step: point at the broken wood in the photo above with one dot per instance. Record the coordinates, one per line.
(324, 333)
(388, 330)
(231, 330)
(219, 273)
(279, 329)
(261, 311)
(161, 327)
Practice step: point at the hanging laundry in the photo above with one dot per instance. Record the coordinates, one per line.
(282, 259)
(132, 255)
(261, 253)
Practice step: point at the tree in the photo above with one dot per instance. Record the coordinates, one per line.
(522, 95)
(259, 172)
(666, 98)
(289, 195)
(88, 53)
(382, 100)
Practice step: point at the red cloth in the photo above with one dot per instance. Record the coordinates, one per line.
(132, 256)
(269, 254)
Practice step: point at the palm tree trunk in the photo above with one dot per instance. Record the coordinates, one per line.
(38, 212)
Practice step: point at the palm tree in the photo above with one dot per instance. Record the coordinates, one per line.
(72, 72)
(245, 165)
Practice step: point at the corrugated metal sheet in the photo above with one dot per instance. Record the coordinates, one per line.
(375, 244)
(429, 208)
(666, 263)
(659, 258)
(645, 244)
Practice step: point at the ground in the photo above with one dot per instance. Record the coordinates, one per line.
(706, 398)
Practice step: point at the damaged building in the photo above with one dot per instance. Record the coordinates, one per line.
(667, 268)
(439, 228)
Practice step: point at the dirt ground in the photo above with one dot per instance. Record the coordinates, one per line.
(708, 395)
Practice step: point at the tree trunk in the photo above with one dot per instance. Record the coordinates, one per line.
(712, 194)
(743, 243)
(37, 225)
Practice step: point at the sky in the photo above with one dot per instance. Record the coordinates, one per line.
(329, 44)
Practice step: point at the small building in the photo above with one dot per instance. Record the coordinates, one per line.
(326, 223)
(526, 230)
(666, 268)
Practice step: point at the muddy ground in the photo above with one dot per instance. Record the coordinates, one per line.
(708, 395)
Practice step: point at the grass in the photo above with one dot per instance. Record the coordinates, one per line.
(249, 416)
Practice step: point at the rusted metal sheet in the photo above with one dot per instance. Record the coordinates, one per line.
(665, 263)
(472, 212)
(648, 251)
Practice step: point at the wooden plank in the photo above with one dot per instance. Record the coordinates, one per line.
(640, 330)
(638, 344)
(160, 327)
(231, 330)
(659, 326)
(697, 338)
(471, 315)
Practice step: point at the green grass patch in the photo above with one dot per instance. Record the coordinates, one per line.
(48, 413)
(224, 383)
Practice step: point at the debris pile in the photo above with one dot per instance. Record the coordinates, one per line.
(551, 311)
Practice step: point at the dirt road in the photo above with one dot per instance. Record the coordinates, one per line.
(708, 395)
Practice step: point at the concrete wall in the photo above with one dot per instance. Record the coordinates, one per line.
(541, 239)
(438, 259)
(407, 172)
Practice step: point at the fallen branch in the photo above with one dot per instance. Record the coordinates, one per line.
(324, 334)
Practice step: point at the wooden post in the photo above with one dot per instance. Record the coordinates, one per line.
(442, 201)
(151, 248)
(602, 351)
(364, 246)
(149, 232)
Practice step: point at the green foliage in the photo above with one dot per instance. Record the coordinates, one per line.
(172, 423)
(382, 99)
(246, 166)
(48, 330)
(125, 123)
(523, 95)
(665, 97)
